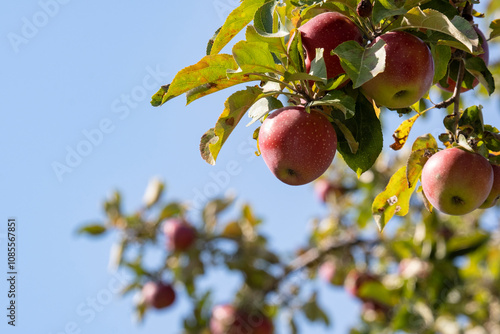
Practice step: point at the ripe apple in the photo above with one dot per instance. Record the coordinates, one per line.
(323, 189)
(408, 74)
(180, 235)
(328, 30)
(494, 195)
(158, 294)
(226, 319)
(297, 146)
(484, 56)
(456, 182)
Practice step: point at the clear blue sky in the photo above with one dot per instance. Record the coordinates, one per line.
(71, 67)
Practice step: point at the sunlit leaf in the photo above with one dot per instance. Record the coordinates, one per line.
(395, 199)
(402, 132)
(458, 28)
(234, 108)
(264, 21)
(235, 22)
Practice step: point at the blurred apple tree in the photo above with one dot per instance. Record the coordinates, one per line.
(428, 272)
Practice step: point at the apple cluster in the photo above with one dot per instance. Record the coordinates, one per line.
(298, 144)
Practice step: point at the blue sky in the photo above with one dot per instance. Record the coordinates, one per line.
(75, 73)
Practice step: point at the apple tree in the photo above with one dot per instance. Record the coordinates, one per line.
(317, 77)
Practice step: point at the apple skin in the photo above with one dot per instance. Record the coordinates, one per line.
(298, 147)
(408, 74)
(158, 294)
(484, 56)
(226, 319)
(328, 30)
(180, 235)
(456, 182)
(494, 195)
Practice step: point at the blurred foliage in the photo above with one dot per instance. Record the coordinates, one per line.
(428, 272)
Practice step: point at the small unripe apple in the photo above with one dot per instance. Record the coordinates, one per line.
(494, 195)
(298, 147)
(485, 56)
(180, 235)
(408, 74)
(158, 294)
(328, 30)
(226, 319)
(456, 182)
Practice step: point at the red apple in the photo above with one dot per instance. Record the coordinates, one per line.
(457, 182)
(297, 146)
(328, 30)
(226, 319)
(158, 295)
(323, 189)
(484, 56)
(180, 235)
(408, 74)
(494, 195)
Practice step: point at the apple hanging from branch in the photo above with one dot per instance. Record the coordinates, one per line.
(457, 182)
(297, 146)
(408, 74)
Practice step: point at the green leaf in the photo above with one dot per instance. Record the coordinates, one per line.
(349, 138)
(427, 142)
(477, 67)
(441, 55)
(211, 41)
(275, 43)
(234, 108)
(338, 100)
(386, 8)
(235, 22)
(473, 117)
(367, 131)
(264, 21)
(318, 66)
(359, 63)
(93, 229)
(313, 312)
(458, 28)
(395, 199)
(376, 291)
(262, 107)
(207, 76)
(465, 244)
(296, 52)
(253, 57)
(495, 28)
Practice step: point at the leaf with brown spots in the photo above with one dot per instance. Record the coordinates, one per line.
(234, 108)
(401, 134)
(206, 76)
